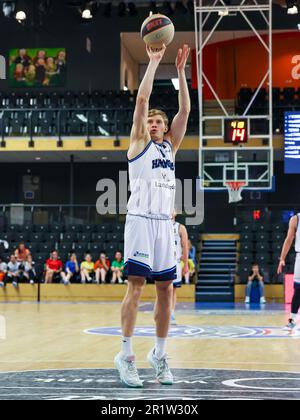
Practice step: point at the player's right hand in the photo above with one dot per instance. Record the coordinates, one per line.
(156, 54)
(280, 266)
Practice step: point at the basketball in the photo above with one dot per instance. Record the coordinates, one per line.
(157, 30)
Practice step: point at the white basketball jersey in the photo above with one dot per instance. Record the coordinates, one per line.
(152, 182)
(297, 243)
(178, 247)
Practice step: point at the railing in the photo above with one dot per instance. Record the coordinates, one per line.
(59, 122)
(49, 214)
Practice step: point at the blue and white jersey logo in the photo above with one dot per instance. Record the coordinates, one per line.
(205, 332)
(163, 163)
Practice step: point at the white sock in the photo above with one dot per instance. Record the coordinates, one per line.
(127, 346)
(293, 317)
(160, 347)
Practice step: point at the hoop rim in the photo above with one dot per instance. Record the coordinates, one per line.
(235, 185)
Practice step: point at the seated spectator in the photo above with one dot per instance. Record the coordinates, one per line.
(3, 271)
(29, 270)
(117, 268)
(71, 269)
(87, 269)
(191, 271)
(21, 253)
(255, 275)
(192, 253)
(102, 267)
(13, 272)
(53, 268)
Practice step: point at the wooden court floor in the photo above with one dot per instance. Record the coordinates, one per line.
(76, 336)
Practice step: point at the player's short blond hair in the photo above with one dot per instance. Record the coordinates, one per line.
(164, 116)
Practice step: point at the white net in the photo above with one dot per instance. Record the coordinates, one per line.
(235, 189)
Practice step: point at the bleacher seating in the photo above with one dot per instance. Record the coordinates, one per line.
(286, 99)
(80, 113)
(261, 241)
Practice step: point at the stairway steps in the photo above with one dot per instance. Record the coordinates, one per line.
(218, 262)
(212, 283)
(218, 248)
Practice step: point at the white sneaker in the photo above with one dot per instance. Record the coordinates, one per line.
(163, 373)
(263, 300)
(247, 300)
(291, 324)
(120, 281)
(31, 282)
(15, 284)
(128, 372)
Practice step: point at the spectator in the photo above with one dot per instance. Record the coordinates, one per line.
(87, 269)
(21, 253)
(257, 276)
(53, 268)
(29, 272)
(117, 268)
(192, 253)
(13, 273)
(71, 269)
(102, 267)
(3, 271)
(23, 58)
(191, 271)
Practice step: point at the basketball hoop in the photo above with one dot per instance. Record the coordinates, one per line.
(235, 189)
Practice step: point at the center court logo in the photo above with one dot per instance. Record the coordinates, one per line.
(206, 332)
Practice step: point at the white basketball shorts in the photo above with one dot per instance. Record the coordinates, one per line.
(149, 248)
(178, 281)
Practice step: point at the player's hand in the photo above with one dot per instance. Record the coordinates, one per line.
(185, 269)
(280, 266)
(182, 56)
(156, 54)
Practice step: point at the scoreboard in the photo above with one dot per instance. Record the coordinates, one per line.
(235, 131)
(292, 142)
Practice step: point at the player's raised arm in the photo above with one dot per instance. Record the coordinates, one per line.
(288, 242)
(139, 128)
(179, 124)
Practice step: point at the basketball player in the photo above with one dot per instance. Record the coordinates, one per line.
(149, 236)
(182, 254)
(293, 233)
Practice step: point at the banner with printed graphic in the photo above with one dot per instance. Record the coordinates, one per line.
(230, 65)
(37, 67)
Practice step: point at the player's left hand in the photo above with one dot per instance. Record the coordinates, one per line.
(280, 266)
(185, 269)
(182, 56)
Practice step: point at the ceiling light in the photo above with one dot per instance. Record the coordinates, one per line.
(223, 12)
(292, 10)
(21, 16)
(8, 8)
(86, 14)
